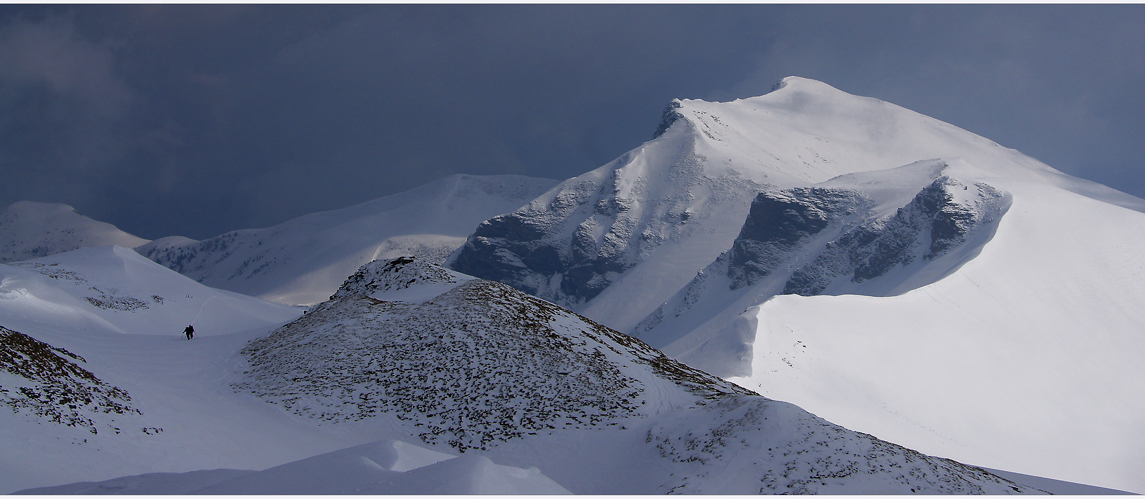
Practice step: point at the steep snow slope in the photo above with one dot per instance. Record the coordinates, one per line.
(302, 261)
(29, 229)
(824, 193)
(529, 384)
(1010, 286)
(616, 242)
(1027, 358)
(874, 233)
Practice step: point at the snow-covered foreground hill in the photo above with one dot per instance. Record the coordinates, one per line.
(425, 362)
(29, 230)
(386, 467)
(969, 301)
(120, 319)
(304, 260)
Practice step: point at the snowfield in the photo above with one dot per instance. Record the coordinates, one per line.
(1042, 330)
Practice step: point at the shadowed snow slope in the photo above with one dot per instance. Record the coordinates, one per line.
(102, 383)
(386, 467)
(856, 234)
(1038, 335)
(29, 229)
(302, 261)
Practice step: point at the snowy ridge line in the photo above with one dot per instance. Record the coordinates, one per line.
(641, 226)
(32, 230)
(522, 372)
(124, 291)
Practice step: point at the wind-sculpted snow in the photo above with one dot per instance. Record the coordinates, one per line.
(843, 238)
(617, 242)
(46, 383)
(579, 239)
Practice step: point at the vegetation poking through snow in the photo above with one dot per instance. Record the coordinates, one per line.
(478, 364)
(46, 382)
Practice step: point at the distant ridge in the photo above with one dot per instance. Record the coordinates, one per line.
(302, 261)
(31, 230)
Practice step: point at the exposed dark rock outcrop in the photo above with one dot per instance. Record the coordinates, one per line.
(477, 364)
(51, 386)
(779, 222)
(934, 222)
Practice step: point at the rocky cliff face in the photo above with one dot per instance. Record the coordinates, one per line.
(617, 242)
(581, 238)
(780, 222)
(938, 219)
(849, 236)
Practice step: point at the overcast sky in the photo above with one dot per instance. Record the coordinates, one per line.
(197, 120)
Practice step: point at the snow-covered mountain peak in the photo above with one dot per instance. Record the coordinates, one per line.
(614, 243)
(29, 229)
(406, 279)
(806, 85)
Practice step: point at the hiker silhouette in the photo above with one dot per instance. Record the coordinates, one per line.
(190, 332)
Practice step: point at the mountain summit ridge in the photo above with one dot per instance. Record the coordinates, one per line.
(653, 217)
(622, 243)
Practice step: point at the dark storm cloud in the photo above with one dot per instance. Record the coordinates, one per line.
(60, 103)
(195, 120)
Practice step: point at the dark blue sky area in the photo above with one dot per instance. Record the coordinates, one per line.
(197, 120)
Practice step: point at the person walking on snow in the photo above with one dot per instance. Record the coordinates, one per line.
(190, 332)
